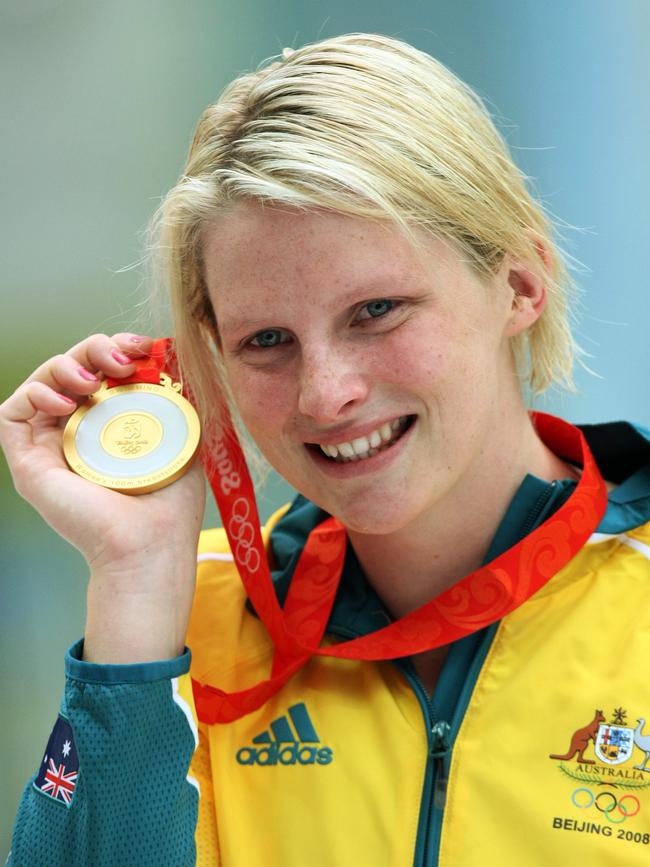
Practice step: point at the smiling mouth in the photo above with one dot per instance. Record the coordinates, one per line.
(362, 448)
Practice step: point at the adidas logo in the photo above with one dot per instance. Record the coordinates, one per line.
(285, 745)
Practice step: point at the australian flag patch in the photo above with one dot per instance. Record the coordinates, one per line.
(59, 770)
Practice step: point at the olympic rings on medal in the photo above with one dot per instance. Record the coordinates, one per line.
(607, 809)
(243, 532)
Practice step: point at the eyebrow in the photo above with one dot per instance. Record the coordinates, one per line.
(230, 325)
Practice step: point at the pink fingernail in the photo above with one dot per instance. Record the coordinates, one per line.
(67, 399)
(87, 375)
(121, 357)
(138, 338)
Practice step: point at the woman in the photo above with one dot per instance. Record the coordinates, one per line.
(353, 259)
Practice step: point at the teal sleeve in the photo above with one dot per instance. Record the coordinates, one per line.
(132, 803)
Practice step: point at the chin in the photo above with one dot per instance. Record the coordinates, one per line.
(371, 527)
(372, 515)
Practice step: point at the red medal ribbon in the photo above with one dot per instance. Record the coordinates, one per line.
(484, 596)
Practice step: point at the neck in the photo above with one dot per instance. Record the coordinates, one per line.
(453, 538)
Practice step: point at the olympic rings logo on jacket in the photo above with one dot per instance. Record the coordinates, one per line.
(608, 808)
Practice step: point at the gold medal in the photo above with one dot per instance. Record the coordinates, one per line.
(133, 438)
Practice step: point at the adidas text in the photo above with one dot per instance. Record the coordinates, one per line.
(290, 754)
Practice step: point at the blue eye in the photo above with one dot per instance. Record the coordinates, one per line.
(379, 308)
(376, 309)
(269, 338)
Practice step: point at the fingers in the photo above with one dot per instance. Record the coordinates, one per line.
(114, 355)
(16, 422)
(63, 374)
(33, 397)
(97, 355)
(55, 388)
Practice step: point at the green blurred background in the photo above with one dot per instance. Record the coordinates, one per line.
(98, 102)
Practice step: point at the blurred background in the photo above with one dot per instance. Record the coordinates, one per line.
(98, 102)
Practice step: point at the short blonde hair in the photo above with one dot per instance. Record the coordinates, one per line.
(367, 126)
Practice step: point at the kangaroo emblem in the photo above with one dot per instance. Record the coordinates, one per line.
(580, 740)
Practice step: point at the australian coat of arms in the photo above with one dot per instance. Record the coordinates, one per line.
(614, 744)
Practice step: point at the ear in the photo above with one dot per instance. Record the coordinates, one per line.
(528, 292)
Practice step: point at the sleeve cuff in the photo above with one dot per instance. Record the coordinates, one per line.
(138, 672)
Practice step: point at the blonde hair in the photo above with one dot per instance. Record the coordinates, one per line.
(367, 126)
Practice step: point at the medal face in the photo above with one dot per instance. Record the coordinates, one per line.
(133, 438)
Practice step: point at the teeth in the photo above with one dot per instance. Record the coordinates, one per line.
(366, 447)
(360, 445)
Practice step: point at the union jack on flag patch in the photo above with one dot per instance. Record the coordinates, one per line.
(59, 770)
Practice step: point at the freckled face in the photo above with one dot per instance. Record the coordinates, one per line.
(333, 327)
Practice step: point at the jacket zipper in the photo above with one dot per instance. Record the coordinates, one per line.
(440, 753)
(538, 508)
(434, 789)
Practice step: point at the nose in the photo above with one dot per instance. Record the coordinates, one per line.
(332, 384)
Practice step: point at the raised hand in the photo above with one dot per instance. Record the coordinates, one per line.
(140, 549)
